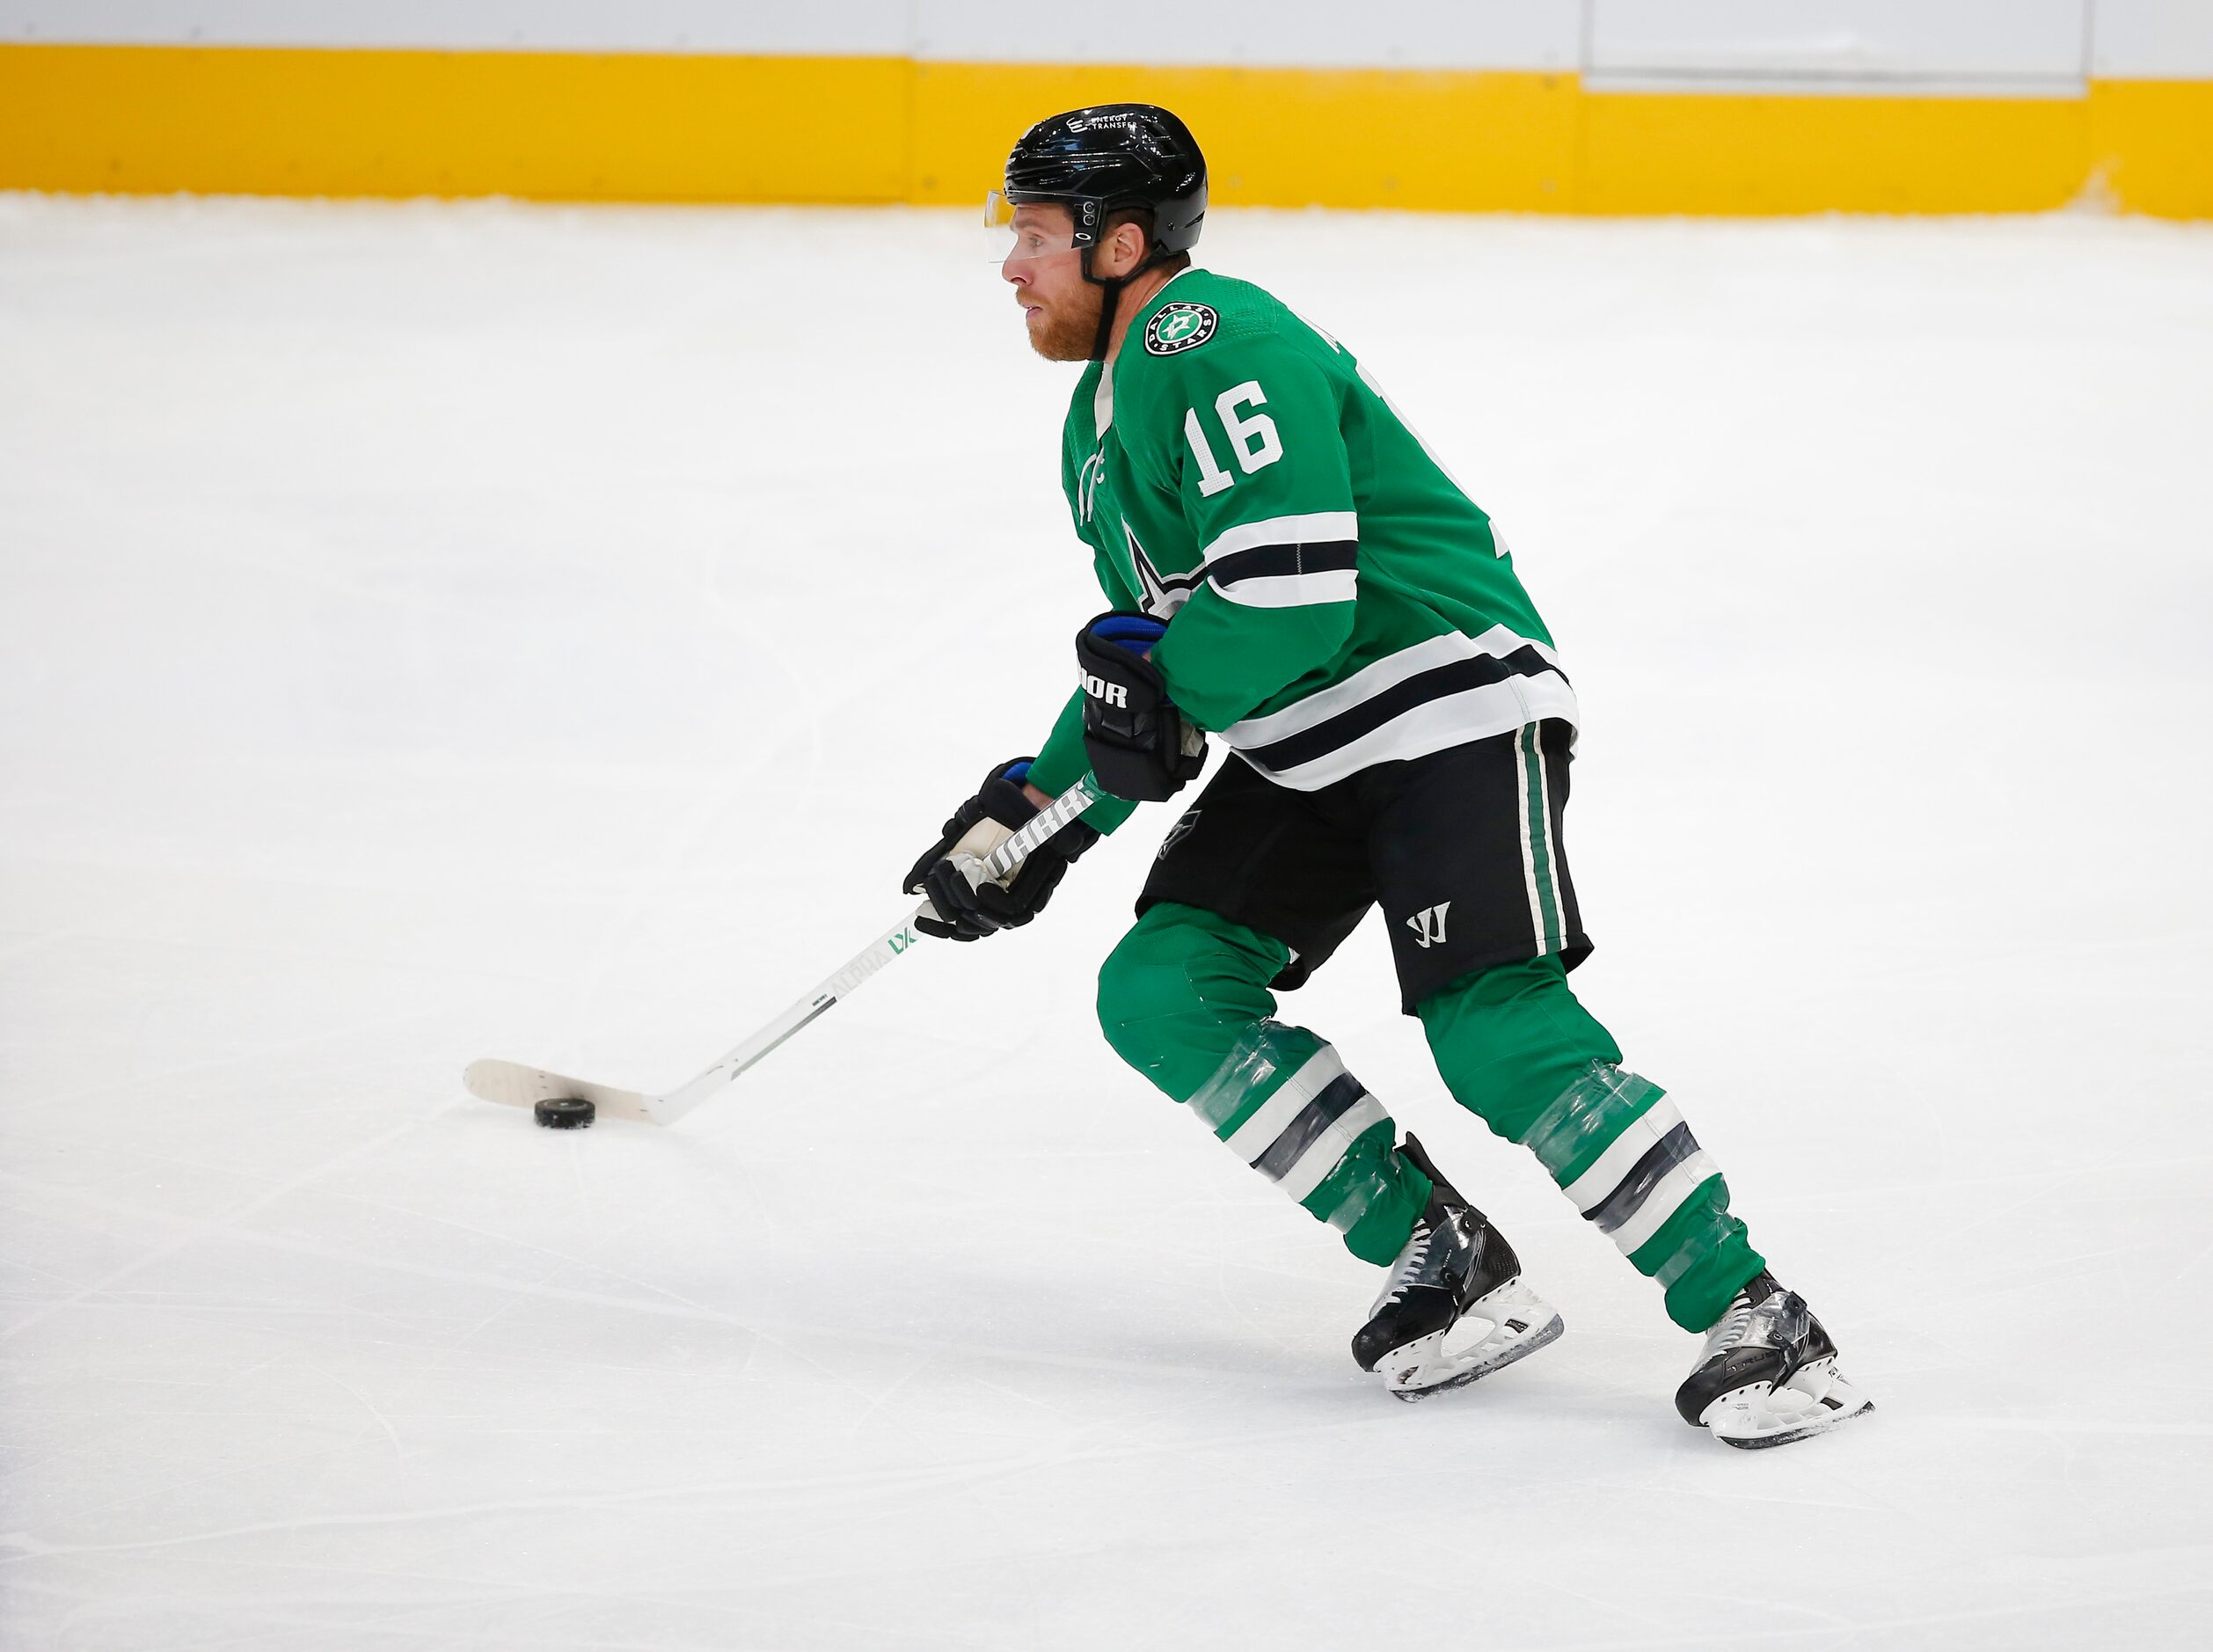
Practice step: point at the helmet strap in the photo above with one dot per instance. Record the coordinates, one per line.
(1109, 300)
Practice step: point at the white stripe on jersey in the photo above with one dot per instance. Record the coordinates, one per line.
(1476, 714)
(1318, 527)
(1373, 678)
(1292, 590)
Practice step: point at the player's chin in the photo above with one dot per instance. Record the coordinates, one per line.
(1056, 341)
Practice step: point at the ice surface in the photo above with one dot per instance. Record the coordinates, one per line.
(435, 632)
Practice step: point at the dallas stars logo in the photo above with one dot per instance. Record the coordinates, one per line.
(1177, 327)
(1177, 833)
(1161, 594)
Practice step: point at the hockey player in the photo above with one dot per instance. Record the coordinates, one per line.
(1292, 570)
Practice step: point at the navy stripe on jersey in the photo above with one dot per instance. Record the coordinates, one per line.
(1275, 561)
(1287, 562)
(1454, 678)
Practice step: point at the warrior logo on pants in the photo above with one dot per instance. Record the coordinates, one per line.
(1428, 925)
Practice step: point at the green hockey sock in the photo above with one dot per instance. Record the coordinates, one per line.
(1517, 1049)
(1184, 999)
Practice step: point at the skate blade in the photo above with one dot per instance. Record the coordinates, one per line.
(1423, 1368)
(1750, 1421)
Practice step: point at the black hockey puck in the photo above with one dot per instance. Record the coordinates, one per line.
(564, 1113)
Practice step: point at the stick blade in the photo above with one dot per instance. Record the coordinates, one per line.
(512, 1085)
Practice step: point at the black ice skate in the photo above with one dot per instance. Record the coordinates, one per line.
(1768, 1373)
(1454, 1307)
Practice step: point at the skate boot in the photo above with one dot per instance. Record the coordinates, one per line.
(1454, 1307)
(1768, 1373)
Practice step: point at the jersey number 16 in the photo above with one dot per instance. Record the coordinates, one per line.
(1252, 438)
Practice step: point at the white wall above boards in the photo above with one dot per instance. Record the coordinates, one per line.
(1524, 34)
(1995, 46)
(2151, 39)
(859, 28)
(2047, 46)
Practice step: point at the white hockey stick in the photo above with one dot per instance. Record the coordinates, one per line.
(514, 1085)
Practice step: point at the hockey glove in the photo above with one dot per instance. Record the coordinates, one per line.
(1140, 747)
(969, 912)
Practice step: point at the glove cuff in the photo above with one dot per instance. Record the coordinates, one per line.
(1002, 796)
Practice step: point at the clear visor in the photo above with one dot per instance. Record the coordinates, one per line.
(1026, 231)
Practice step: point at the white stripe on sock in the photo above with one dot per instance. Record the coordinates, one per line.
(1638, 1137)
(1315, 1164)
(1258, 1133)
(1667, 1197)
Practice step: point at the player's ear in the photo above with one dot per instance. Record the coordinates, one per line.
(1129, 247)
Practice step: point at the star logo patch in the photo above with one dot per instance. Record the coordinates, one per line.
(1175, 328)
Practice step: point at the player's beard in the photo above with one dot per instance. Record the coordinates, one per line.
(1068, 330)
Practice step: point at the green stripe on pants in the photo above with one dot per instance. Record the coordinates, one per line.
(1536, 841)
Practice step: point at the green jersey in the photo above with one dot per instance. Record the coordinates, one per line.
(1334, 600)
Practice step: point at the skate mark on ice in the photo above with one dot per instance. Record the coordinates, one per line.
(367, 1404)
(200, 1228)
(652, 885)
(779, 1334)
(740, 1496)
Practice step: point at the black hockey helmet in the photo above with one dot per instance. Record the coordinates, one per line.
(1103, 159)
(1112, 156)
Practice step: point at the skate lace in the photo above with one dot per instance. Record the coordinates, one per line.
(1410, 1263)
(1734, 1325)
